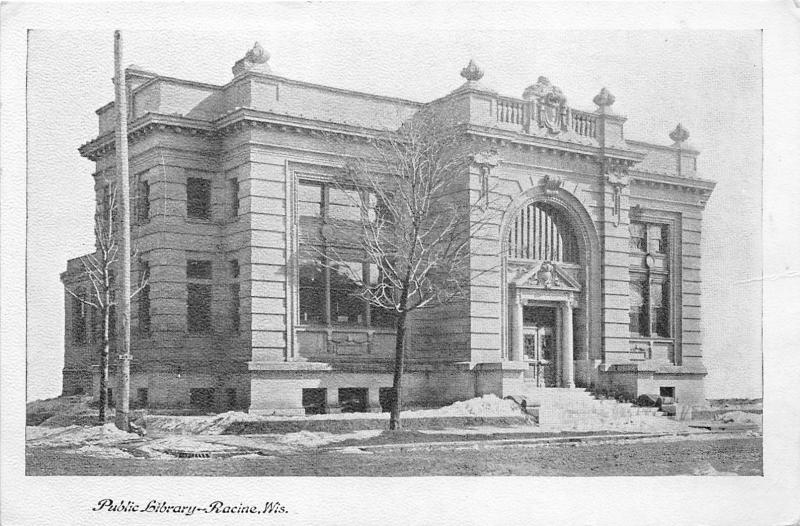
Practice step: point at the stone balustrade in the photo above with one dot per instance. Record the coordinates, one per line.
(518, 114)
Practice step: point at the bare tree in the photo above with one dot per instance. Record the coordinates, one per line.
(417, 218)
(99, 271)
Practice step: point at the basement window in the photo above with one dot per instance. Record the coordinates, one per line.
(202, 398)
(386, 397)
(314, 401)
(353, 399)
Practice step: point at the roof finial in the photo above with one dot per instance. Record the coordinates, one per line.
(254, 60)
(680, 134)
(472, 72)
(604, 98)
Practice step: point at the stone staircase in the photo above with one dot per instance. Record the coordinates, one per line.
(579, 409)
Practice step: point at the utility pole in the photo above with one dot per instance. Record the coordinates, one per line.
(124, 324)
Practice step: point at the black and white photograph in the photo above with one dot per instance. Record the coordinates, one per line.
(400, 263)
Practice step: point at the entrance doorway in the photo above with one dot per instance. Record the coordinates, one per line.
(540, 341)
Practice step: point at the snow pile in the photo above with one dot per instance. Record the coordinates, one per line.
(486, 406)
(78, 435)
(58, 412)
(196, 425)
(707, 470)
(186, 444)
(740, 417)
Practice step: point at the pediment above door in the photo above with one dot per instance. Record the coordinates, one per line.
(544, 275)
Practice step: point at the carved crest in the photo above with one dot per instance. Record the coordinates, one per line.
(551, 184)
(550, 105)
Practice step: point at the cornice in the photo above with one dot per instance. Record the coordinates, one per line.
(245, 118)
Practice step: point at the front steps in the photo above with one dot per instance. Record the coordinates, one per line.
(578, 409)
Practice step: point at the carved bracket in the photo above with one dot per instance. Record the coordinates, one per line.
(486, 161)
(616, 175)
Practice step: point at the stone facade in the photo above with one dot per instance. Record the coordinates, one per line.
(590, 276)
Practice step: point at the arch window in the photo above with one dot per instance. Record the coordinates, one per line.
(542, 232)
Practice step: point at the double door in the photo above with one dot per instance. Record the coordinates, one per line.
(540, 350)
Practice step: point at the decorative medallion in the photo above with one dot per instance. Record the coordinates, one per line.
(550, 105)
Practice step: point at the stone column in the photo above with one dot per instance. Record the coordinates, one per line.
(558, 344)
(515, 331)
(568, 377)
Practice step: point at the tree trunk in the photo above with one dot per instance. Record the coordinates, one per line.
(399, 363)
(104, 367)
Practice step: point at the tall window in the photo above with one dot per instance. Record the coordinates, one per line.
(143, 202)
(650, 298)
(198, 295)
(198, 198)
(541, 232)
(234, 293)
(79, 312)
(233, 193)
(144, 300)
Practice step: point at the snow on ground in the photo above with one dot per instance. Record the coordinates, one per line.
(77, 435)
(103, 451)
(312, 439)
(195, 425)
(485, 406)
(740, 417)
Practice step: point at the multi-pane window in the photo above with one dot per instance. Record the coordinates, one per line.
(332, 202)
(198, 295)
(198, 198)
(343, 204)
(330, 295)
(540, 232)
(650, 298)
(309, 200)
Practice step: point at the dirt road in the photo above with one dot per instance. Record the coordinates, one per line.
(719, 456)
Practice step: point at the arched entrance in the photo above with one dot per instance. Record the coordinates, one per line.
(550, 288)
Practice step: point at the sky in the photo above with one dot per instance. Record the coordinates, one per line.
(710, 81)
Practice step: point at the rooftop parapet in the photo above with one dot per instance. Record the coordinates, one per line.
(541, 115)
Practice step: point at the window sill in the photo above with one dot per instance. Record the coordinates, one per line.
(199, 220)
(349, 328)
